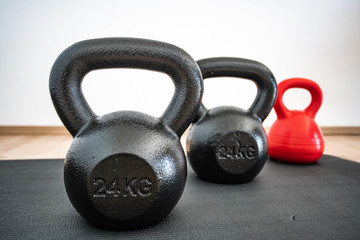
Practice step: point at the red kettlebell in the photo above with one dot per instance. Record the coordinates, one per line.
(295, 137)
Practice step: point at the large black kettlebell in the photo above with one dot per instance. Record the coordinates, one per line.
(124, 170)
(227, 144)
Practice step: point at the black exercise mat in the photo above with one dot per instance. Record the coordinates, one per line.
(320, 201)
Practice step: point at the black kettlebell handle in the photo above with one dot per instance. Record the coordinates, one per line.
(243, 68)
(79, 59)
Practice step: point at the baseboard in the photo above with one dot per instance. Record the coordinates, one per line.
(32, 130)
(340, 130)
(54, 130)
(336, 130)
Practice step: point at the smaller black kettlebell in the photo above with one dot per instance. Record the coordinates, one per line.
(124, 170)
(227, 144)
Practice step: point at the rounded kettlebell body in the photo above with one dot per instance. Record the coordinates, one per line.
(228, 144)
(295, 137)
(124, 170)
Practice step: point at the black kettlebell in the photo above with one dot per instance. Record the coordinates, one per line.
(227, 144)
(124, 170)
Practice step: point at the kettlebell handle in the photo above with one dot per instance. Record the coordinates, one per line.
(243, 68)
(316, 96)
(79, 59)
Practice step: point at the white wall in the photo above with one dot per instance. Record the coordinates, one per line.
(318, 39)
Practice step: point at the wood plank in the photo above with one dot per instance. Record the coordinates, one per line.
(346, 147)
(340, 130)
(56, 146)
(34, 146)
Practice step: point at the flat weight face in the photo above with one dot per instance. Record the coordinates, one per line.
(236, 152)
(122, 186)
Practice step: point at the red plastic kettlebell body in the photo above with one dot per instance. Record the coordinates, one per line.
(295, 137)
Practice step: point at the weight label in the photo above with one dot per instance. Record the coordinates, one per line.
(123, 187)
(236, 152)
(122, 180)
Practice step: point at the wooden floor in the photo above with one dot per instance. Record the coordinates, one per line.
(15, 147)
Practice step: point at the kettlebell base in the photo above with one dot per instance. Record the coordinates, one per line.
(219, 175)
(123, 226)
(230, 180)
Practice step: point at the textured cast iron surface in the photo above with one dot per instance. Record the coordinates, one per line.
(228, 144)
(124, 170)
(319, 201)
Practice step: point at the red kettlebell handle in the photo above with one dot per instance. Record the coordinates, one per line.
(316, 96)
